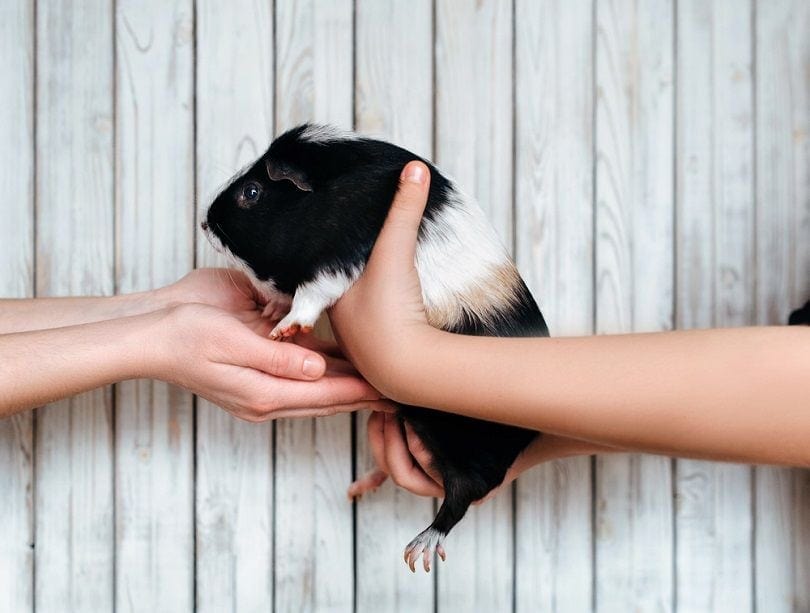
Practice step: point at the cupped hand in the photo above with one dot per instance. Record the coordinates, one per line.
(400, 454)
(380, 322)
(226, 358)
(225, 288)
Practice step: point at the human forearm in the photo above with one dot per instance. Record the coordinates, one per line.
(23, 315)
(740, 394)
(41, 366)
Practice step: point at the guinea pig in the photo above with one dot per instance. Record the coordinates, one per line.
(800, 317)
(302, 220)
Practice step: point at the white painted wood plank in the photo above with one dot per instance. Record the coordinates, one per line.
(74, 497)
(394, 101)
(154, 443)
(473, 59)
(715, 212)
(782, 548)
(74, 455)
(17, 281)
(634, 274)
(234, 496)
(314, 554)
(554, 206)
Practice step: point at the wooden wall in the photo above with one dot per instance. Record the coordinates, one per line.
(648, 161)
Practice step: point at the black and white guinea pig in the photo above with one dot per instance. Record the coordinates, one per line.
(302, 221)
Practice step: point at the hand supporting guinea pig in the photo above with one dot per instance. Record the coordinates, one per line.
(203, 332)
(380, 322)
(400, 454)
(240, 370)
(228, 359)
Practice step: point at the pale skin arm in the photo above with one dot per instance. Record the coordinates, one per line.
(218, 350)
(735, 394)
(220, 287)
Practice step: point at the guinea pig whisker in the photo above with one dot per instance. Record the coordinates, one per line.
(233, 260)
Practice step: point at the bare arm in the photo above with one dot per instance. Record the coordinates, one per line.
(740, 394)
(223, 288)
(212, 341)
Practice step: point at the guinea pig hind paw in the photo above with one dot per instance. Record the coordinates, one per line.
(426, 545)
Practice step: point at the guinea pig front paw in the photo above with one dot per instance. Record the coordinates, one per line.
(289, 326)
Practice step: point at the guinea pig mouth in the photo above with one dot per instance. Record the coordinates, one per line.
(216, 241)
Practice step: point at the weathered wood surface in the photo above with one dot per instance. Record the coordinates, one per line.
(314, 562)
(74, 501)
(715, 212)
(17, 161)
(234, 459)
(154, 430)
(393, 100)
(648, 163)
(634, 243)
(554, 161)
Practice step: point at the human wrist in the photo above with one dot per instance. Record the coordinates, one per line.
(146, 341)
(418, 374)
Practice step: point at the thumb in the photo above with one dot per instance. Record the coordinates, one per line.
(281, 359)
(396, 243)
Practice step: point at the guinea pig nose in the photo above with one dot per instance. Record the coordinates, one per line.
(204, 225)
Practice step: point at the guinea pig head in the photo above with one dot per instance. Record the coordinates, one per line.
(315, 200)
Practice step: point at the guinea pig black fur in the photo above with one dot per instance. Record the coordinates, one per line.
(302, 220)
(800, 317)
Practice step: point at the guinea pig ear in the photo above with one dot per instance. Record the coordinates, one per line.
(279, 171)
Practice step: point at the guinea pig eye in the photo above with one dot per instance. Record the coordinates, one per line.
(250, 194)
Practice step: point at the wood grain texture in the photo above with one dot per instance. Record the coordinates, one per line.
(234, 495)
(154, 443)
(554, 239)
(314, 554)
(634, 282)
(631, 196)
(715, 213)
(17, 281)
(782, 497)
(393, 96)
(74, 234)
(473, 124)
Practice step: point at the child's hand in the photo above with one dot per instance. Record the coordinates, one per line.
(380, 322)
(400, 454)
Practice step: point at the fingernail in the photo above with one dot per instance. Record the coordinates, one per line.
(414, 173)
(313, 367)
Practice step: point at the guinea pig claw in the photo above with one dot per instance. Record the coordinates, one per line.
(288, 330)
(280, 332)
(426, 545)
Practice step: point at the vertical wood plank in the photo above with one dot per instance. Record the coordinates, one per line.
(234, 496)
(715, 213)
(314, 555)
(782, 548)
(473, 55)
(75, 199)
(17, 281)
(554, 238)
(155, 210)
(394, 93)
(634, 282)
